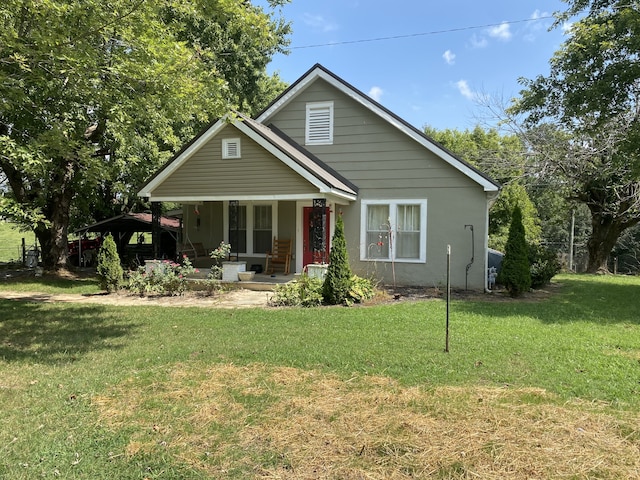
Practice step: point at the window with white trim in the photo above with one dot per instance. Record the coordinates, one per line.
(253, 232)
(394, 230)
(319, 123)
(230, 148)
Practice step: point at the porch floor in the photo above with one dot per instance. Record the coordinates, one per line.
(260, 282)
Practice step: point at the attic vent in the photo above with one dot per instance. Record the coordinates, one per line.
(319, 124)
(230, 148)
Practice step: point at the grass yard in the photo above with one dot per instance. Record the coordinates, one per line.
(530, 389)
(11, 241)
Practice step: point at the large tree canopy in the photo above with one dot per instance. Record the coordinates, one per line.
(95, 95)
(582, 119)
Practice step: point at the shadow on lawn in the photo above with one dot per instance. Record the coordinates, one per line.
(58, 334)
(575, 299)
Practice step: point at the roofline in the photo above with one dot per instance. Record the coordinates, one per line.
(318, 71)
(182, 156)
(192, 147)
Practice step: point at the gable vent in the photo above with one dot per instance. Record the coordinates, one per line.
(319, 123)
(231, 148)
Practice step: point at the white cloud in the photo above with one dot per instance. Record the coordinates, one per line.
(449, 57)
(319, 22)
(538, 14)
(478, 42)
(542, 23)
(501, 32)
(376, 93)
(465, 90)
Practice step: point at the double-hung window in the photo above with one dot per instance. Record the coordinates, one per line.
(394, 230)
(251, 227)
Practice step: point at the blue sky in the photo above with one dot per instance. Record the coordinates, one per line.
(446, 55)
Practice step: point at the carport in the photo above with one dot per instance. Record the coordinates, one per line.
(160, 243)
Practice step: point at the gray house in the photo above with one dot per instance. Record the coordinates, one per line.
(322, 149)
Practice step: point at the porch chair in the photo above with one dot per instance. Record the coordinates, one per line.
(279, 255)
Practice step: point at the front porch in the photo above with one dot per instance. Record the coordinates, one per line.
(250, 227)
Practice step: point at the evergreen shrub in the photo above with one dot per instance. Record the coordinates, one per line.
(337, 282)
(109, 269)
(515, 273)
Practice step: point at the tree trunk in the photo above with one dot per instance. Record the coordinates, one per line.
(53, 237)
(605, 231)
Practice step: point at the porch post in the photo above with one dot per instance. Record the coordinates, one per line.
(318, 241)
(156, 212)
(234, 221)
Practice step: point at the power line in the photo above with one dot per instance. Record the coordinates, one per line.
(411, 35)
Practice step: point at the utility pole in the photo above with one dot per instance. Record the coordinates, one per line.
(572, 238)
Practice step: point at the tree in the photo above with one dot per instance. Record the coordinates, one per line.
(515, 272)
(337, 281)
(582, 120)
(96, 95)
(513, 195)
(501, 156)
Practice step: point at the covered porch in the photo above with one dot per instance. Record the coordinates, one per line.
(250, 226)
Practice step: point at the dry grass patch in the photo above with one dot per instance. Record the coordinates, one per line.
(276, 422)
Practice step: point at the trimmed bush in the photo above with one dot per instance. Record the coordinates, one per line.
(304, 292)
(337, 282)
(515, 273)
(544, 265)
(109, 268)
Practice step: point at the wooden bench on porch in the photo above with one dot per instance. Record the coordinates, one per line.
(279, 255)
(193, 250)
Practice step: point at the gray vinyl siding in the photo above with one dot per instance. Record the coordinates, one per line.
(385, 163)
(257, 172)
(367, 150)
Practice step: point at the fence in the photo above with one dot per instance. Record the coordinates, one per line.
(23, 254)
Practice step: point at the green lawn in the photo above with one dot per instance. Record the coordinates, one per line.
(90, 391)
(11, 241)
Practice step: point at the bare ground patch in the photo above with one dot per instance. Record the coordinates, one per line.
(278, 422)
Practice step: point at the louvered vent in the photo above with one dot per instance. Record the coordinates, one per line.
(231, 148)
(319, 124)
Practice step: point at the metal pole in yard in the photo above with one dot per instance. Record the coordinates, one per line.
(446, 348)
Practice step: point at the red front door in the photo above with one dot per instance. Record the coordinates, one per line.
(312, 251)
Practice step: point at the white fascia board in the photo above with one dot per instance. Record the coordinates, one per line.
(319, 73)
(187, 199)
(184, 156)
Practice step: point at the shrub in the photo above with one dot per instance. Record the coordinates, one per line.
(515, 273)
(304, 292)
(164, 278)
(337, 282)
(109, 269)
(361, 289)
(544, 265)
(218, 254)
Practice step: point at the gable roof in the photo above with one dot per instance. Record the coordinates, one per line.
(281, 147)
(319, 72)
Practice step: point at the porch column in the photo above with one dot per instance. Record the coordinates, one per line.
(156, 212)
(318, 242)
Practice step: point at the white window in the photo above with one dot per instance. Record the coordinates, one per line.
(230, 148)
(251, 230)
(394, 230)
(319, 124)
